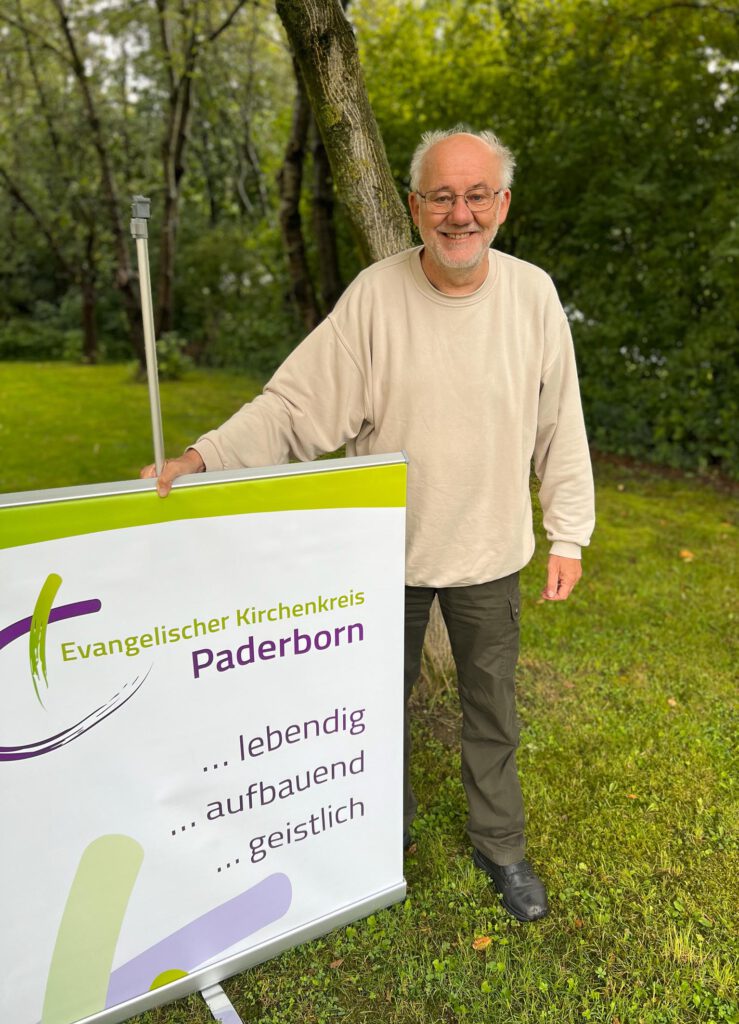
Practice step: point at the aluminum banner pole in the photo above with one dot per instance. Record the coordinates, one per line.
(140, 213)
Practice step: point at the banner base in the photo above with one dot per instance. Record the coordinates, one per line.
(209, 977)
(220, 1005)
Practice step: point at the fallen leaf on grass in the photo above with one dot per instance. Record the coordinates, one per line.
(578, 922)
(672, 702)
(337, 963)
(481, 942)
(687, 556)
(632, 796)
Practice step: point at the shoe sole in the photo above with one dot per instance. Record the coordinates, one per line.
(520, 917)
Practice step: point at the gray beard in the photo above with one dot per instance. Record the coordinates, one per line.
(471, 263)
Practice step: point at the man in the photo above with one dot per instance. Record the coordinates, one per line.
(462, 356)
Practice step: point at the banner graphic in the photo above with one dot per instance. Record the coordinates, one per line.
(200, 729)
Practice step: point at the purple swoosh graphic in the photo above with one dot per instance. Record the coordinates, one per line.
(64, 611)
(198, 941)
(45, 746)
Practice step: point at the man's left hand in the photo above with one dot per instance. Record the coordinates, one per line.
(562, 575)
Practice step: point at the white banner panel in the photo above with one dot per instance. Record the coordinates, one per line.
(201, 729)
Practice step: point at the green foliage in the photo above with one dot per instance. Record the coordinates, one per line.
(52, 332)
(172, 360)
(231, 292)
(625, 120)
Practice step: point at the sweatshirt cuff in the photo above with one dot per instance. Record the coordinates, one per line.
(208, 453)
(563, 548)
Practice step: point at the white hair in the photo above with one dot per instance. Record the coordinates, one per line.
(429, 139)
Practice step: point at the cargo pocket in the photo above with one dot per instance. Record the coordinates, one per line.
(515, 606)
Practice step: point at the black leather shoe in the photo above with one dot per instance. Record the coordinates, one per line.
(523, 893)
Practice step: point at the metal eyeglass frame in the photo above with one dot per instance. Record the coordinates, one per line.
(456, 195)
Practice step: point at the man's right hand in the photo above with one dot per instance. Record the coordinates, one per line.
(189, 462)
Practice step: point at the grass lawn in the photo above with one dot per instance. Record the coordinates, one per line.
(62, 424)
(628, 698)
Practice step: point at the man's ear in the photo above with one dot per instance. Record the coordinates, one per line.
(504, 206)
(414, 206)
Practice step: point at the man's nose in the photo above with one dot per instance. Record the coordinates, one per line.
(460, 212)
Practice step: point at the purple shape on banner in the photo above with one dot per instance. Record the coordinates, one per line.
(64, 611)
(60, 739)
(203, 938)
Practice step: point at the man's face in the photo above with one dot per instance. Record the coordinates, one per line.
(459, 240)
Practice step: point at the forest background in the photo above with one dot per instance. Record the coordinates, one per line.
(623, 114)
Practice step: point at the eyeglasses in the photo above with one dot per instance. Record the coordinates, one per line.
(478, 200)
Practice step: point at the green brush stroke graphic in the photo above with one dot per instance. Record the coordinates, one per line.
(37, 634)
(88, 933)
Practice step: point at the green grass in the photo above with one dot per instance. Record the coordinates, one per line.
(62, 425)
(628, 760)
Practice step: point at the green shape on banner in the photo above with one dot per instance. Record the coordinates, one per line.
(37, 633)
(166, 977)
(79, 974)
(370, 487)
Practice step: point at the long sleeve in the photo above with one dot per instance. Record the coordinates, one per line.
(561, 455)
(317, 400)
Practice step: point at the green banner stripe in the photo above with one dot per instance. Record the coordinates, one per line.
(373, 487)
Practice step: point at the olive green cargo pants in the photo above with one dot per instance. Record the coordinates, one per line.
(482, 622)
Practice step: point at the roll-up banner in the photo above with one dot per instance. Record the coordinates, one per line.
(201, 728)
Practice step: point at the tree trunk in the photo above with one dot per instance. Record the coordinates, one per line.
(290, 179)
(324, 229)
(89, 300)
(324, 45)
(174, 144)
(124, 275)
(90, 351)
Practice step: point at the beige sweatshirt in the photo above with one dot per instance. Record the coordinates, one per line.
(471, 387)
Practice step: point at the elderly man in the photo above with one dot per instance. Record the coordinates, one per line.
(462, 356)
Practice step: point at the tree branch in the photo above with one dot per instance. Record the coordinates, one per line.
(221, 28)
(20, 198)
(42, 40)
(687, 5)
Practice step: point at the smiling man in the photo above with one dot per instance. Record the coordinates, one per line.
(459, 213)
(462, 356)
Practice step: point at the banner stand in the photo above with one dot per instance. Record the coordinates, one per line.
(140, 213)
(214, 996)
(220, 1005)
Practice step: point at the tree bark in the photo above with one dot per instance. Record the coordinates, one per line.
(324, 46)
(290, 180)
(329, 276)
